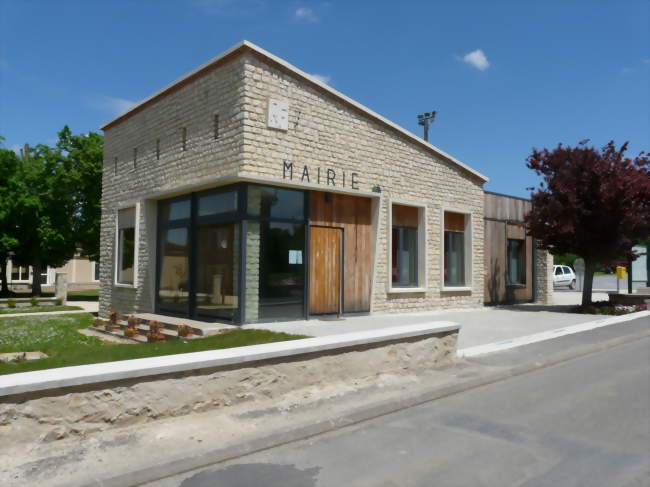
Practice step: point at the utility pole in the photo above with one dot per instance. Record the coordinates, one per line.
(425, 119)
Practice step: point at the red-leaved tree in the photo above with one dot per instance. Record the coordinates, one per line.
(592, 203)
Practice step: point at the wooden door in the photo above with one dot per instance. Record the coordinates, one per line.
(325, 244)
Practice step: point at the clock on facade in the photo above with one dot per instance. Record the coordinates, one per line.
(278, 114)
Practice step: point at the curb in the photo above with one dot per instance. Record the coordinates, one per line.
(180, 464)
(44, 313)
(479, 350)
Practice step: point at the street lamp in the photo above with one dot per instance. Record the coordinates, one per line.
(425, 119)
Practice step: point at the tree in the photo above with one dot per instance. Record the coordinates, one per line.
(50, 203)
(44, 209)
(8, 163)
(85, 154)
(595, 204)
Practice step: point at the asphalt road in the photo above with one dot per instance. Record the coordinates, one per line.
(584, 422)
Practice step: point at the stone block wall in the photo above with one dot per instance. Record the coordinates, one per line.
(544, 273)
(60, 413)
(144, 157)
(324, 132)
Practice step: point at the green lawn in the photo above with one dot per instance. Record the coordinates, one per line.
(37, 309)
(57, 336)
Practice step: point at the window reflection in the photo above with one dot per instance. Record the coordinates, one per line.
(174, 269)
(217, 270)
(269, 202)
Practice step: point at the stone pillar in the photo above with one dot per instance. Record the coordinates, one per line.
(544, 268)
(252, 283)
(61, 287)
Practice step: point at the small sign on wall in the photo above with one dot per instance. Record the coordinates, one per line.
(295, 257)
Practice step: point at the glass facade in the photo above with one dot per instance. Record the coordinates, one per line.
(174, 289)
(516, 262)
(234, 254)
(126, 245)
(217, 271)
(405, 256)
(454, 259)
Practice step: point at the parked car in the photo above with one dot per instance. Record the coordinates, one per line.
(563, 275)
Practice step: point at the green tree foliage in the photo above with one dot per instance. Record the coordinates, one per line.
(8, 166)
(54, 205)
(593, 203)
(85, 154)
(45, 209)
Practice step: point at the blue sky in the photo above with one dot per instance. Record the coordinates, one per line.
(504, 75)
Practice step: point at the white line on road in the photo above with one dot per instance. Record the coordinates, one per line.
(548, 335)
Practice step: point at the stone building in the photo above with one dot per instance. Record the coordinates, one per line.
(81, 273)
(248, 190)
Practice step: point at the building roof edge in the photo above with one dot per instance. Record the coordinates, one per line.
(240, 46)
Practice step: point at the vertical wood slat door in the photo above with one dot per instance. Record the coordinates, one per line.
(325, 246)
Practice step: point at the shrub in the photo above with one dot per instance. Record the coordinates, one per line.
(132, 321)
(155, 337)
(11, 303)
(184, 331)
(130, 332)
(34, 301)
(606, 308)
(154, 327)
(112, 317)
(58, 301)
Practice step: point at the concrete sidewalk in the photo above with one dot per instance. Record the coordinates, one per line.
(479, 326)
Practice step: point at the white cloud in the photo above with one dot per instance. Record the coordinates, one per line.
(306, 14)
(323, 78)
(477, 59)
(111, 104)
(230, 7)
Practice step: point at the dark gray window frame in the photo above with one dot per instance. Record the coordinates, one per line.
(240, 216)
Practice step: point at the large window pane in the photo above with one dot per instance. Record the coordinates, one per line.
(19, 273)
(271, 202)
(404, 256)
(126, 246)
(454, 259)
(175, 210)
(218, 203)
(275, 285)
(217, 271)
(173, 290)
(516, 262)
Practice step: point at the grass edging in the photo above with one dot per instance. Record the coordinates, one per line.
(57, 336)
(37, 309)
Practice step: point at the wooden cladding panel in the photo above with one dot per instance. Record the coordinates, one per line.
(502, 207)
(496, 263)
(325, 270)
(353, 215)
(404, 216)
(516, 231)
(454, 222)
